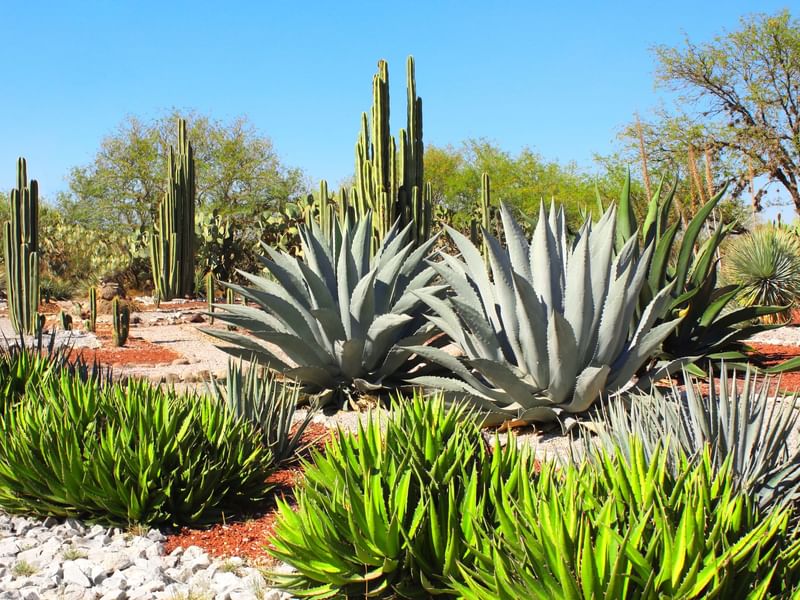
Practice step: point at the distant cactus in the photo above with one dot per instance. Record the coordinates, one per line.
(65, 320)
(230, 298)
(172, 243)
(120, 322)
(92, 309)
(210, 294)
(22, 254)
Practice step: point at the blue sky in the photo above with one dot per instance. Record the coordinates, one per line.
(559, 77)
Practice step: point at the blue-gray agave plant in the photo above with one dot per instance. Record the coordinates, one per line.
(550, 325)
(338, 313)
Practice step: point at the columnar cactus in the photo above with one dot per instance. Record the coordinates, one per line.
(172, 243)
(389, 183)
(92, 309)
(22, 254)
(120, 322)
(210, 294)
(65, 320)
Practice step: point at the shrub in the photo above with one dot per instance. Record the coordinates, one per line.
(127, 453)
(339, 313)
(389, 512)
(743, 421)
(766, 264)
(550, 325)
(626, 528)
(268, 404)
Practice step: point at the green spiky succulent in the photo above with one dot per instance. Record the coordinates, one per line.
(549, 326)
(743, 420)
(335, 316)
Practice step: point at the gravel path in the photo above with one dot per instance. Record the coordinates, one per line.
(69, 560)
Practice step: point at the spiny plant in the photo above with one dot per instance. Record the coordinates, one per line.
(628, 528)
(389, 511)
(338, 313)
(120, 322)
(268, 404)
(765, 264)
(92, 309)
(549, 326)
(22, 254)
(743, 420)
(707, 329)
(172, 243)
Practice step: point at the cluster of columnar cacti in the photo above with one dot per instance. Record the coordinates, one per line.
(120, 322)
(22, 254)
(325, 208)
(172, 243)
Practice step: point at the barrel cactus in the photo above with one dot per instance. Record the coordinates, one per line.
(548, 326)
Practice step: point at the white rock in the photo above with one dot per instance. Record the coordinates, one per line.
(75, 574)
(114, 595)
(9, 547)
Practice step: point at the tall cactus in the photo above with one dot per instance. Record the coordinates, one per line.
(172, 243)
(120, 322)
(92, 308)
(390, 182)
(22, 254)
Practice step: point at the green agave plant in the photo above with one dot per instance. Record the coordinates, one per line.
(765, 264)
(709, 328)
(127, 453)
(339, 313)
(255, 395)
(550, 326)
(744, 421)
(390, 512)
(626, 528)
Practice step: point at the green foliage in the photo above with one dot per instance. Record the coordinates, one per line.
(765, 264)
(549, 326)
(22, 254)
(266, 403)
(172, 242)
(120, 322)
(127, 453)
(688, 263)
(742, 421)
(391, 511)
(338, 312)
(626, 528)
(218, 248)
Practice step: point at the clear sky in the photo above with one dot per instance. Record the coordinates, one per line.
(559, 77)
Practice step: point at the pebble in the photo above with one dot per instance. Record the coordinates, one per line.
(68, 559)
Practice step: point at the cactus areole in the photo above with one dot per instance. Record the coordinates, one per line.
(22, 254)
(172, 243)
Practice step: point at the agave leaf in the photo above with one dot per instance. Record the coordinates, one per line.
(579, 304)
(631, 361)
(690, 237)
(382, 334)
(518, 247)
(562, 349)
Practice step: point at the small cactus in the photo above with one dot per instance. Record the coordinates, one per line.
(210, 294)
(65, 320)
(230, 298)
(120, 320)
(92, 322)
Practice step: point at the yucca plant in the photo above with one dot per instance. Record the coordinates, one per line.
(127, 453)
(625, 528)
(550, 326)
(389, 512)
(743, 420)
(765, 264)
(255, 395)
(338, 314)
(709, 328)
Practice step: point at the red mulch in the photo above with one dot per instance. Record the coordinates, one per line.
(247, 537)
(136, 351)
(773, 354)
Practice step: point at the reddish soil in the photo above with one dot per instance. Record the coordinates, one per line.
(773, 354)
(136, 351)
(246, 536)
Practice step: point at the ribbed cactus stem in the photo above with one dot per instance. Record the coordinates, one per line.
(120, 322)
(21, 254)
(210, 294)
(172, 242)
(65, 320)
(92, 309)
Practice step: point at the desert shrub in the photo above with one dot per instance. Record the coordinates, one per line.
(389, 511)
(766, 264)
(626, 528)
(127, 453)
(255, 394)
(743, 421)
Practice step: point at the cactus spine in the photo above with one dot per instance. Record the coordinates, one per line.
(172, 242)
(92, 309)
(22, 254)
(210, 294)
(120, 322)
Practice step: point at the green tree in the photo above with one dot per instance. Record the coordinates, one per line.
(736, 112)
